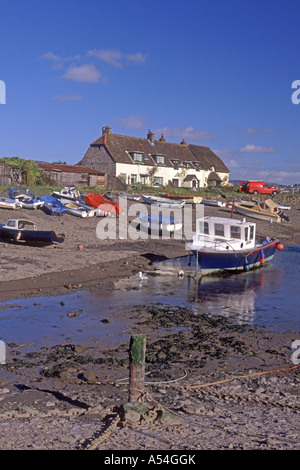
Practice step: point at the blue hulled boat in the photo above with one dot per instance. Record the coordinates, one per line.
(222, 244)
(25, 231)
(25, 198)
(53, 206)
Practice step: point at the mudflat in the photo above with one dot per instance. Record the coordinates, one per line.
(214, 385)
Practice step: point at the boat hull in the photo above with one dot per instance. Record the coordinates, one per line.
(163, 202)
(36, 236)
(160, 223)
(211, 262)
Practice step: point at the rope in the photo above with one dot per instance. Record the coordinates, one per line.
(126, 381)
(255, 374)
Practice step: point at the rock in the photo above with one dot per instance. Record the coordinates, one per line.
(90, 375)
(167, 418)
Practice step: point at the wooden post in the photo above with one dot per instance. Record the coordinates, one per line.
(137, 354)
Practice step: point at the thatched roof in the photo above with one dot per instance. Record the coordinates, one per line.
(120, 147)
(207, 158)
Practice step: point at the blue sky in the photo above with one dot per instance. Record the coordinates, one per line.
(217, 73)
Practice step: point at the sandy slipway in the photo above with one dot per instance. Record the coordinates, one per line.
(214, 385)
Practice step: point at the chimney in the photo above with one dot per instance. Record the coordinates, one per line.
(150, 137)
(183, 142)
(162, 139)
(106, 130)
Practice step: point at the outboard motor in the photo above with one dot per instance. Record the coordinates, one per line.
(282, 215)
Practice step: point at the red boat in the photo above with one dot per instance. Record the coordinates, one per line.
(101, 202)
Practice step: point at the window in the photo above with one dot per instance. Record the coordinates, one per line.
(158, 180)
(235, 232)
(159, 159)
(219, 230)
(197, 166)
(246, 233)
(133, 179)
(251, 232)
(137, 157)
(204, 228)
(176, 164)
(175, 181)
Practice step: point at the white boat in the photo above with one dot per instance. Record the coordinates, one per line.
(77, 209)
(131, 197)
(67, 193)
(159, 223)
(211, 202)
(7, 203)
(163, 202)
(222, 244)
(24, 197)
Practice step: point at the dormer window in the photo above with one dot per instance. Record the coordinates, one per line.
(137, 157)
(176, 164)
(197, 166)
(159, 159)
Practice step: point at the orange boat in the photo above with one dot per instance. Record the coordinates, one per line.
(99, 201)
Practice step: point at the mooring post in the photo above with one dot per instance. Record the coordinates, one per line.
(137, 353)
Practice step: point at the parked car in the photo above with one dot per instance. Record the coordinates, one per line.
(255, 187)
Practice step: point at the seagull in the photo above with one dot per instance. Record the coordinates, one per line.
(180, 273)
(141, 276)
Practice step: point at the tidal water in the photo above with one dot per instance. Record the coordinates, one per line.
(267, 297)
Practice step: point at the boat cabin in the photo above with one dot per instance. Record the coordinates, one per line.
(220, 233)
(20, 224)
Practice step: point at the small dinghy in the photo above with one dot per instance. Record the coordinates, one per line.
(25, 197)
(163, 202)
(53, 206)
(159, 223)
(26, 231)
(7, 203)
(103, 204)
(67, 193)
(76, 209)
(267, 210)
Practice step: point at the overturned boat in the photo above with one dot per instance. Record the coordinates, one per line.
(53, 206)
(158, 223)
(163, 202)
(103, 204)
(26, 231)
(221, 244)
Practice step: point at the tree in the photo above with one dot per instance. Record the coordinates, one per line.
(31, 173)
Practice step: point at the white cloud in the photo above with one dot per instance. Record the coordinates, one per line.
(57, 60)
(188, 133)
(117, 58)
(63, 98)
(110, 56)
(83, 73)
(250, 148)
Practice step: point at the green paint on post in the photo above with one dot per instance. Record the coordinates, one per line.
(137, 349)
